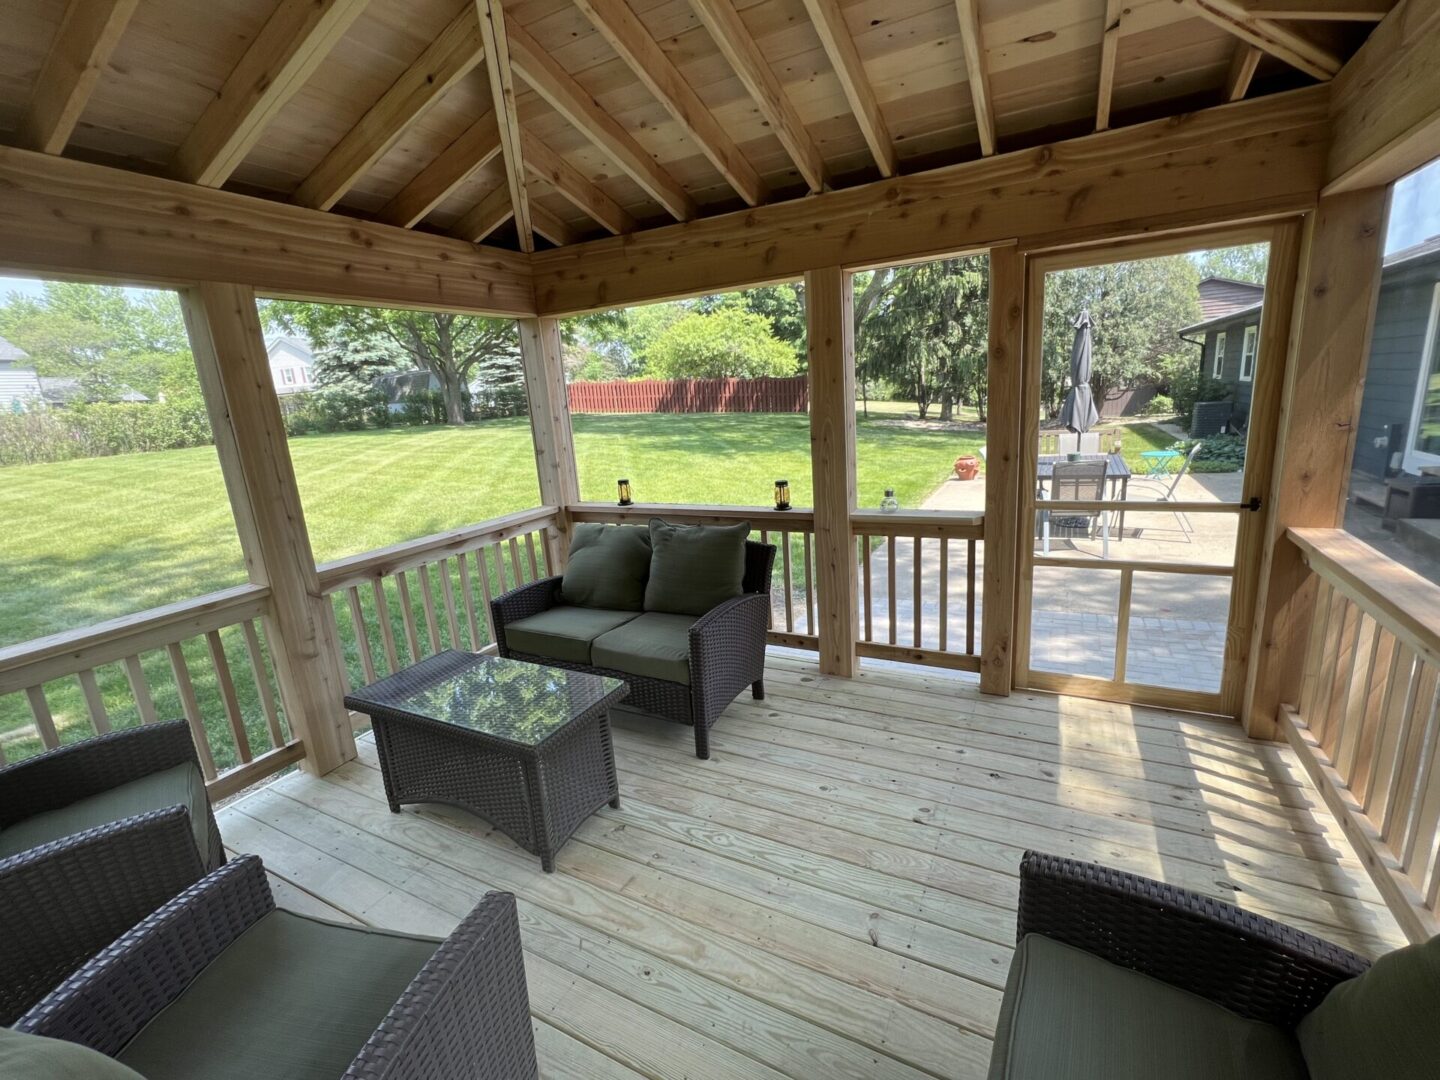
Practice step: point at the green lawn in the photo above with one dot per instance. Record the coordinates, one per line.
(93, 539)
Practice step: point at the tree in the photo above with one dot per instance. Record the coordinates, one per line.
(456, 349)
(1246, 263)
(783, 306)
(729, 342)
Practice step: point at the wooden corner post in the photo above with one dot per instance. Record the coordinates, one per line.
(234, 370)
(549, 401)
(1002, 469)
(830, 319)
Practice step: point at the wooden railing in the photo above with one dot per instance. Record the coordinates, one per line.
(1367, 727)
(894, 628)
(171, 661)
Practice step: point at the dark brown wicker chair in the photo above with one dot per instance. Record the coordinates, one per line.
(727, 649)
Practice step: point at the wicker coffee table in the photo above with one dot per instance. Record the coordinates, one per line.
(525, 746)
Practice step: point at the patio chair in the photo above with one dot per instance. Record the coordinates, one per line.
(1165, 492)
(1076, 480)
(1071, 442)
(220, 984)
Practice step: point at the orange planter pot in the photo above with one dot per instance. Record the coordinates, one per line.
(967, 467)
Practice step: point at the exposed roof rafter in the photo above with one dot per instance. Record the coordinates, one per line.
(485, 216)
(88, 34)
(553, 228)
(1109, 55)
(475, 148)
(1320, 10)
(1265, 34)
(1242, 70)
(502, 94)
(977, 71)
(845, 58)
(574, 185)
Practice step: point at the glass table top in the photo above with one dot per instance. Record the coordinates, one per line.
(513, 700)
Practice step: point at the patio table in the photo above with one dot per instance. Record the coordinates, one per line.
(1157, 462)
(1117, 476)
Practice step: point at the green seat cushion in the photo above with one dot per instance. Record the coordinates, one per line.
(653, 645)
(564, 632)
(1384, 1023)
(1069, 1015)
(694, 568)
(36, 1058)
(608, 567)
(293, 998)
(178, 785)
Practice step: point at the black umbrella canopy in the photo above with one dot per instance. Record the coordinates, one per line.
(1078, 413)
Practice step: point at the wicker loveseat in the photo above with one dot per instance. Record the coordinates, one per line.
(682, 667)
(1119, 977)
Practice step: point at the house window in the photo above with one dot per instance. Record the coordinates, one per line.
(287, 376)
(1424, 444)
(308, 377)
(1217, 368)
(1247, 353)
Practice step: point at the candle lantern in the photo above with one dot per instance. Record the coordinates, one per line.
(782, 494)
(624, 488)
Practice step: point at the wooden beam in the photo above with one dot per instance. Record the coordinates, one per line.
(473, 150)
(552, 228)
(72, 218)
(830, 318)
(1242, 70)
(572, 101)
(290, 46)
(549, 407)
(88, 34)
(627, 35)
(502, 95)
(1320, 10)
(738, 46)
(1386, 102)
(829, 23)
(229, 349)
(977, 70)
(1141, 178)
(1324, 376)
(1266, 34)
(444, 62)
(1109, 53)
(485, 216)
(575, 186)
(1002, 469)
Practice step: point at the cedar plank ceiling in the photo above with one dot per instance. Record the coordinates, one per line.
(1042, 59)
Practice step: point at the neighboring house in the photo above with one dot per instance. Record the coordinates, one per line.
(19, 385)
(60, 392)
(401, 386)
(291, 363)
(1229, 338)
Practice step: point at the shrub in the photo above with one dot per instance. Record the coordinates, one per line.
(1218, 453)
(1159, 405)
(102, 429)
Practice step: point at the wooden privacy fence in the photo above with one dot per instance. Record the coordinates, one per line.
(691, 396)
(1367, 728)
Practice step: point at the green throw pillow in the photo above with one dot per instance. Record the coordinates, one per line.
(1380, 1024)
(694, 567)
(37, 1058)
(607, 568)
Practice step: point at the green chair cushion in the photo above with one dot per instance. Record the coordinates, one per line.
(654, 645)
(34, 1057)
(1069, 1015)
(292, 997)
(694, 568)
(564, 632)
(178, 785)
(608, 567)
(1382, 1023)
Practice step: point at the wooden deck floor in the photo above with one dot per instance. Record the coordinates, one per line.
(833, 893)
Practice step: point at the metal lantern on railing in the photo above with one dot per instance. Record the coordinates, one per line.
(624, 489)
(782, 494)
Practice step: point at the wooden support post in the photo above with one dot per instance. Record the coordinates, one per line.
(1324, 376)
(1002, 468)
(549, 402)
(831, 323)
(234, 370)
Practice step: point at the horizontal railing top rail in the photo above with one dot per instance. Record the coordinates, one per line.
(760, 517)
(951, 524)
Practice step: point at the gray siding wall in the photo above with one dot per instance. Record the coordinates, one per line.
(1230, 365)
(1401, 316)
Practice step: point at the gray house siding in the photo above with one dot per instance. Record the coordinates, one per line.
(1402, 314)
(1230, 364)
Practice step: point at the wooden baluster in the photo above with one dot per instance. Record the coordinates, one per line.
(362, 635)
(407, 616)
(382, 615)
(140, 690)
(1395, 830)
(809, 582)
(327, 612)
(1419, 853)
(944, 639)
(1334, 675)
(890, 580)
(191, 707)
(552, 552)
(866, 584)
(917, 599)
(530, 556)
(1392, 735)
(262, 684)
(769, 615)
(468, 595)
(515, 561)
(1362, 670)
(1314, 652)
(447, 594)
(228, 696)
(1122, 623)
(1361, 748)
(789, 584)
(498, 555)
(94, 703)
(427, 601)
(486, 593)
(44, 721)
(970, 597)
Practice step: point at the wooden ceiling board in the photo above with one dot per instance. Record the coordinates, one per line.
(30, 27)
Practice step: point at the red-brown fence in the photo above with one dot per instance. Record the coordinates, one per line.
(691, 396)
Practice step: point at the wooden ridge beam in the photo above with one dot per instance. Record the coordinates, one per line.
(447, 59)
(1266, 34)
(1109, 54)
(1242, 70)
(471, 151)
(627, 35)
(1140, 178)
(485, 216)
(839, 46)
(290, 46)
(73, 218)
(507, 120)
(574, 185)
(88, 34)
(572, 101)
(972, 42)
(749, 64)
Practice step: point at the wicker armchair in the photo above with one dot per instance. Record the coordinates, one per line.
(727, 649)
(465, 1015)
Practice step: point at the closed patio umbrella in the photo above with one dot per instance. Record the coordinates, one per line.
(1078, 413)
